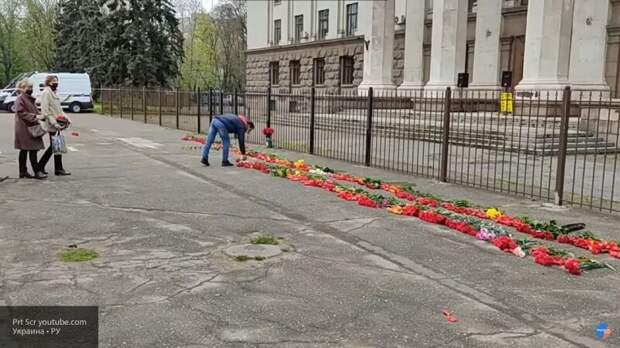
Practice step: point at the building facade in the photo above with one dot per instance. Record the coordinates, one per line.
(348, 46)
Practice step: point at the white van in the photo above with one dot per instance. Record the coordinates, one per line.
(74, 91)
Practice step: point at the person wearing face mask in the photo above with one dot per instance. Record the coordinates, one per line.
(53, 120)
(28, 132)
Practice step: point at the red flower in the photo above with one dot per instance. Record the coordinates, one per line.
(544, 259)
(410, 210)
(573, 266)
(505, 243)
(595, 247)
(429, 202)
(432, 217)
(539, 251)
(565, 239)
(615, 253)
(268, 131)
(367, 202)
(347, 196)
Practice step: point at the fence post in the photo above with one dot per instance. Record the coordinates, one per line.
(445, 139)
(236, 104)
(559, 177)
(120, 103)
(199, 117)
(367, 161)
(102, 98)
(144, 104)
(210, 106)
(131, 102)
(221, 102)
(160, 102)
(176, 102)
(312, 118)
(269, 107)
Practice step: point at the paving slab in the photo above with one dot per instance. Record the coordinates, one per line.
(353, 277)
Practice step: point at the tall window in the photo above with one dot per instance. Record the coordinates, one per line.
(319, 71)
(277, 2)
(323, 23)
(274, 73)
(347, 64)
(277, 31)
(299, 27)
(295, 67)
(351, 19)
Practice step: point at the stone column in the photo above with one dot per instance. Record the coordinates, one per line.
(379, 48)
(486, 45)
(413, 72)
(589, 44)
(448, 44)
(547, 45)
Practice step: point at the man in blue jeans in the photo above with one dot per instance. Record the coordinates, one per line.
(223, 125)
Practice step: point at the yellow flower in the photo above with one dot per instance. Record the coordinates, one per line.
(300, 164)
(395, 209)
(493, 213)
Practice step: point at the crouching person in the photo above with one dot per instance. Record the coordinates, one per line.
(224, 125)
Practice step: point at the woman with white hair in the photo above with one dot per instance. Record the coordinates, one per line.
(28, 131)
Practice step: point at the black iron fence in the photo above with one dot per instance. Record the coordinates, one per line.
(557, 146)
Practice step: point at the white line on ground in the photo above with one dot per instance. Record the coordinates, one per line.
(71, 148)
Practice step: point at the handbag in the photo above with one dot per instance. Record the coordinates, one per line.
(58, 144)
(36, 131)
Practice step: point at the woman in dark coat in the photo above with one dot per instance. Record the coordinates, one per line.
(28, 145)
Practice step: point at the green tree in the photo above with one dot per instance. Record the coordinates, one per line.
(39, 33)
(120, 42)
(11, 61)
(199, 70)
(230, 20)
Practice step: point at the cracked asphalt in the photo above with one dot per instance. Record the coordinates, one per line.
(354, 277)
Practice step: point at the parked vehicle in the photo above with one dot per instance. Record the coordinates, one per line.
(74, 91)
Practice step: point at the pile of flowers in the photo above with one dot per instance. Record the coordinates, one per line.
(483, 224)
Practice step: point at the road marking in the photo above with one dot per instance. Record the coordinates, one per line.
(71, 148)
(140, 143)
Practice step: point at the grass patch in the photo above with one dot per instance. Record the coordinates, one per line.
(242, 258)
(78, 255)
(97, 108)
(265, 239)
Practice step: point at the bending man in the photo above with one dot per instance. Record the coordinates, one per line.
(224, 125)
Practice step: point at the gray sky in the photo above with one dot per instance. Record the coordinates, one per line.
(208, 4)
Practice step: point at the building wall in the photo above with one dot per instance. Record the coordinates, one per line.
(511, 55)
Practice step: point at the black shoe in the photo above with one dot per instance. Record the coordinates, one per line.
(204, 161)
(44, 172)
(227, 164)
(40, 175)
(62, 172)
(25, 176)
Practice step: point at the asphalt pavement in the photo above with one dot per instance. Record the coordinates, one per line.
(350, 276)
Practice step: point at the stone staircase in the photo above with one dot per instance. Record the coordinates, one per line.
(529, 135)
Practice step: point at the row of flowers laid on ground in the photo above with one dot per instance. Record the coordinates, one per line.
(537, 229)
(478, 223)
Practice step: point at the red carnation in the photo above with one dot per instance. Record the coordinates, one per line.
(505, 243)
(544, 259)
(268, 131)
(573, 266)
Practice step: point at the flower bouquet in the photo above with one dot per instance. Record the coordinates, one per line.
(268, 133)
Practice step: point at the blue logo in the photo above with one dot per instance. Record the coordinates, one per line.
(603, 331)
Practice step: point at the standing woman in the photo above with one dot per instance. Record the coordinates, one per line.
(28, 132)
(53, 120)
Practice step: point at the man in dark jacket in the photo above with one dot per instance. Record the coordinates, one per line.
(223, 125)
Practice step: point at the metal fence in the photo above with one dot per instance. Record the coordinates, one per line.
(558, 146)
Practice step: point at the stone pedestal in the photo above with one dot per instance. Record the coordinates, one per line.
(413, 72)
(448, 42)
(487, 46)
(379, 49)
(547, 45)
